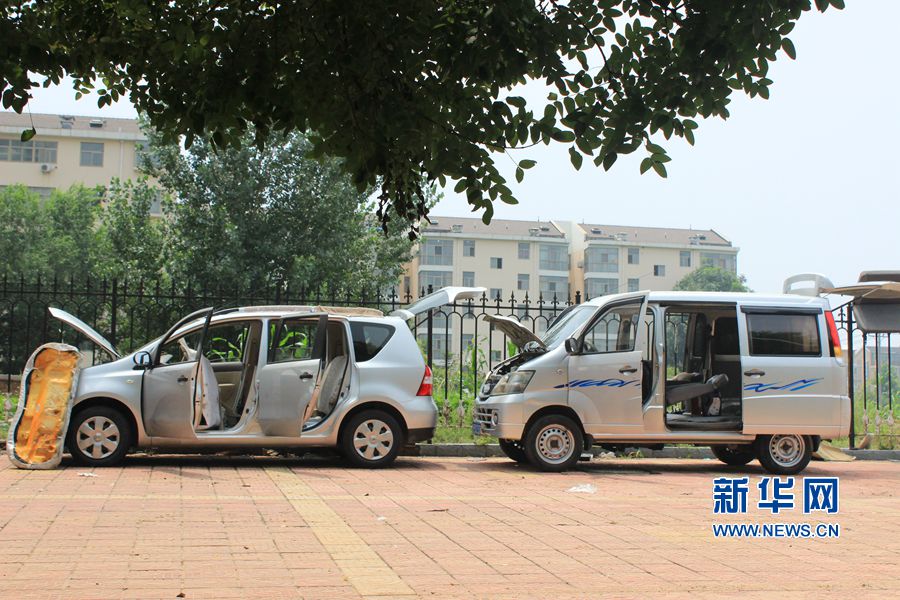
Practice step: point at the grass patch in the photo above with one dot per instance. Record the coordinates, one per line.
(460, 435)
(8, 403)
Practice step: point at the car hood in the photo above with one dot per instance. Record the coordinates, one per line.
(517, 333)
(85, 329)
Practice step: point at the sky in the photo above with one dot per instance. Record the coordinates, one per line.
(805, 182)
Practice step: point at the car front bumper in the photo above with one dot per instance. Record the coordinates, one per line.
(499, 416)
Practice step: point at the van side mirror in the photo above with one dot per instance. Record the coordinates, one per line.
(573, 346)
(142, 360)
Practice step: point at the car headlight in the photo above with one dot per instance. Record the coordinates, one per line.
(512, 383)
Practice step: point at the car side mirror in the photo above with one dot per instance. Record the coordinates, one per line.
(142, 360)
(573, 346)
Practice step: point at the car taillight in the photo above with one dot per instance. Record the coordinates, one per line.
(425, 387)
(833, 338)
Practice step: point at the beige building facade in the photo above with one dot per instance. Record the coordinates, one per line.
(68, 150)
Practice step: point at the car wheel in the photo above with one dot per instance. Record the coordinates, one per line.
(736, 455)
(783, 454)
(554, 443)
(371, 439)
(514, 449)
(99, 436)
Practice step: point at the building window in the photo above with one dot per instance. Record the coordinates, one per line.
(496, 294)
(554, 257)
(496, 262)
(30, 151)
(720, 260)
(634, 256)
(496, 356)
(684, 258)
(601, 259)
(435, 279)
(600, 286)
(406, 285)
(468, 340)
(523, 281)
(468, 247)
(659, 270)
(436, 252)
(634, 284)
(468, 278)
(554, 287)
(91, 154)
(524, 250)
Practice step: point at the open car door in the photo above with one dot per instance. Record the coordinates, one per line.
(170, 382)
(287, 382)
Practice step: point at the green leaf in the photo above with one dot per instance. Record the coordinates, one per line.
(646, 165)
(655, 149)
(609, 160)
(660, 169)
(788, 47)
(526, 164)
(563, 136)
(517, 101)
(520, 174)
(28, 134)
(576, 158)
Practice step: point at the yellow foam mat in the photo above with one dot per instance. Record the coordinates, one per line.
(37, 433)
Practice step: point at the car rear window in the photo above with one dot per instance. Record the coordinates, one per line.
(369, 339)
(784, 335)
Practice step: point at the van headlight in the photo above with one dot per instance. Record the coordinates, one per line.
(512, 383)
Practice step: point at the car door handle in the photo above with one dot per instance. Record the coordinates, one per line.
(626, 370)
(754, 373)
(306, 375)
(181, 379)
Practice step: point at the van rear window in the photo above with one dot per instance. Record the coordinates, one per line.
(369, 339)
(784, 335)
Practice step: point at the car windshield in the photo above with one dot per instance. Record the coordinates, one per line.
(568, 322)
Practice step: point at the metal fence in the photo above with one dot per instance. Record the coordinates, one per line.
(457, 342)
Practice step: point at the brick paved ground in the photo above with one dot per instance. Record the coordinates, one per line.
(439, 528)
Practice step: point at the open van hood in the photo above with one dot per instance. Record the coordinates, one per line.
(84, 329)
(517, 333)
(446, 295)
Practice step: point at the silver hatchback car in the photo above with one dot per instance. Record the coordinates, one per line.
(350, 379)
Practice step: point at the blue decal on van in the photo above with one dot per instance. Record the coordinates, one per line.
(794, 386)
(598, 383)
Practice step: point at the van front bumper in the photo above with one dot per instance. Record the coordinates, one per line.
(499, 416)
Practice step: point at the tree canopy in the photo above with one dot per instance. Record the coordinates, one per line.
(410, 90)
(712, 279)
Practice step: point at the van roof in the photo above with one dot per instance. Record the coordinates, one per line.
(741, 297)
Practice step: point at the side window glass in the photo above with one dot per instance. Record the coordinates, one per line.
(226, 342)
(181, 349)
(784, 335)
(615, 331)
(369, 339)
(293, 340)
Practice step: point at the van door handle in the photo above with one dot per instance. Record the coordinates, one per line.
(754, 373)
(306, 375)
(627, 370)
(182, 379)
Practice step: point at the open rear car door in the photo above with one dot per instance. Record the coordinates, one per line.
(288, 381)
(445, 295)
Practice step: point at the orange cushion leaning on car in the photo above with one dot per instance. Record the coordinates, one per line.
(39, 427)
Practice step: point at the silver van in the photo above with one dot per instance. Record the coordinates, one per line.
(350, 379)
(749, 375)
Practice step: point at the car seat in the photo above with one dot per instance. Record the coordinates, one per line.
(689, 391)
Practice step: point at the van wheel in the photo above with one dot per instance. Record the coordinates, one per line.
(554, 443)
(783, 454)
(371, 439)
(514, 449)
(99, 436)
(736, 455)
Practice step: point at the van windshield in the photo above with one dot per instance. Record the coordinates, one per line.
(568, 322)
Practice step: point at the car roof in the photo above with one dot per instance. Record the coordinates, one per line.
(280, 310)
(740, 297)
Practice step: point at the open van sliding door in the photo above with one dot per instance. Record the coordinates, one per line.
(788, 375)
(288, 380)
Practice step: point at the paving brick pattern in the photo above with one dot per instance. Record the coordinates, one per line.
(431, 527)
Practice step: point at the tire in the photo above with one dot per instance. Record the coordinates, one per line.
(99, 436)
(736, 455)
(554, 443)
(371, 439)
(514, 449)
(783, 454)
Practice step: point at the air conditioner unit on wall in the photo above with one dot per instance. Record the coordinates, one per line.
(47, 168)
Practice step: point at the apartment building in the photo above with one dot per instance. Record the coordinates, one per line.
(67, 150)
